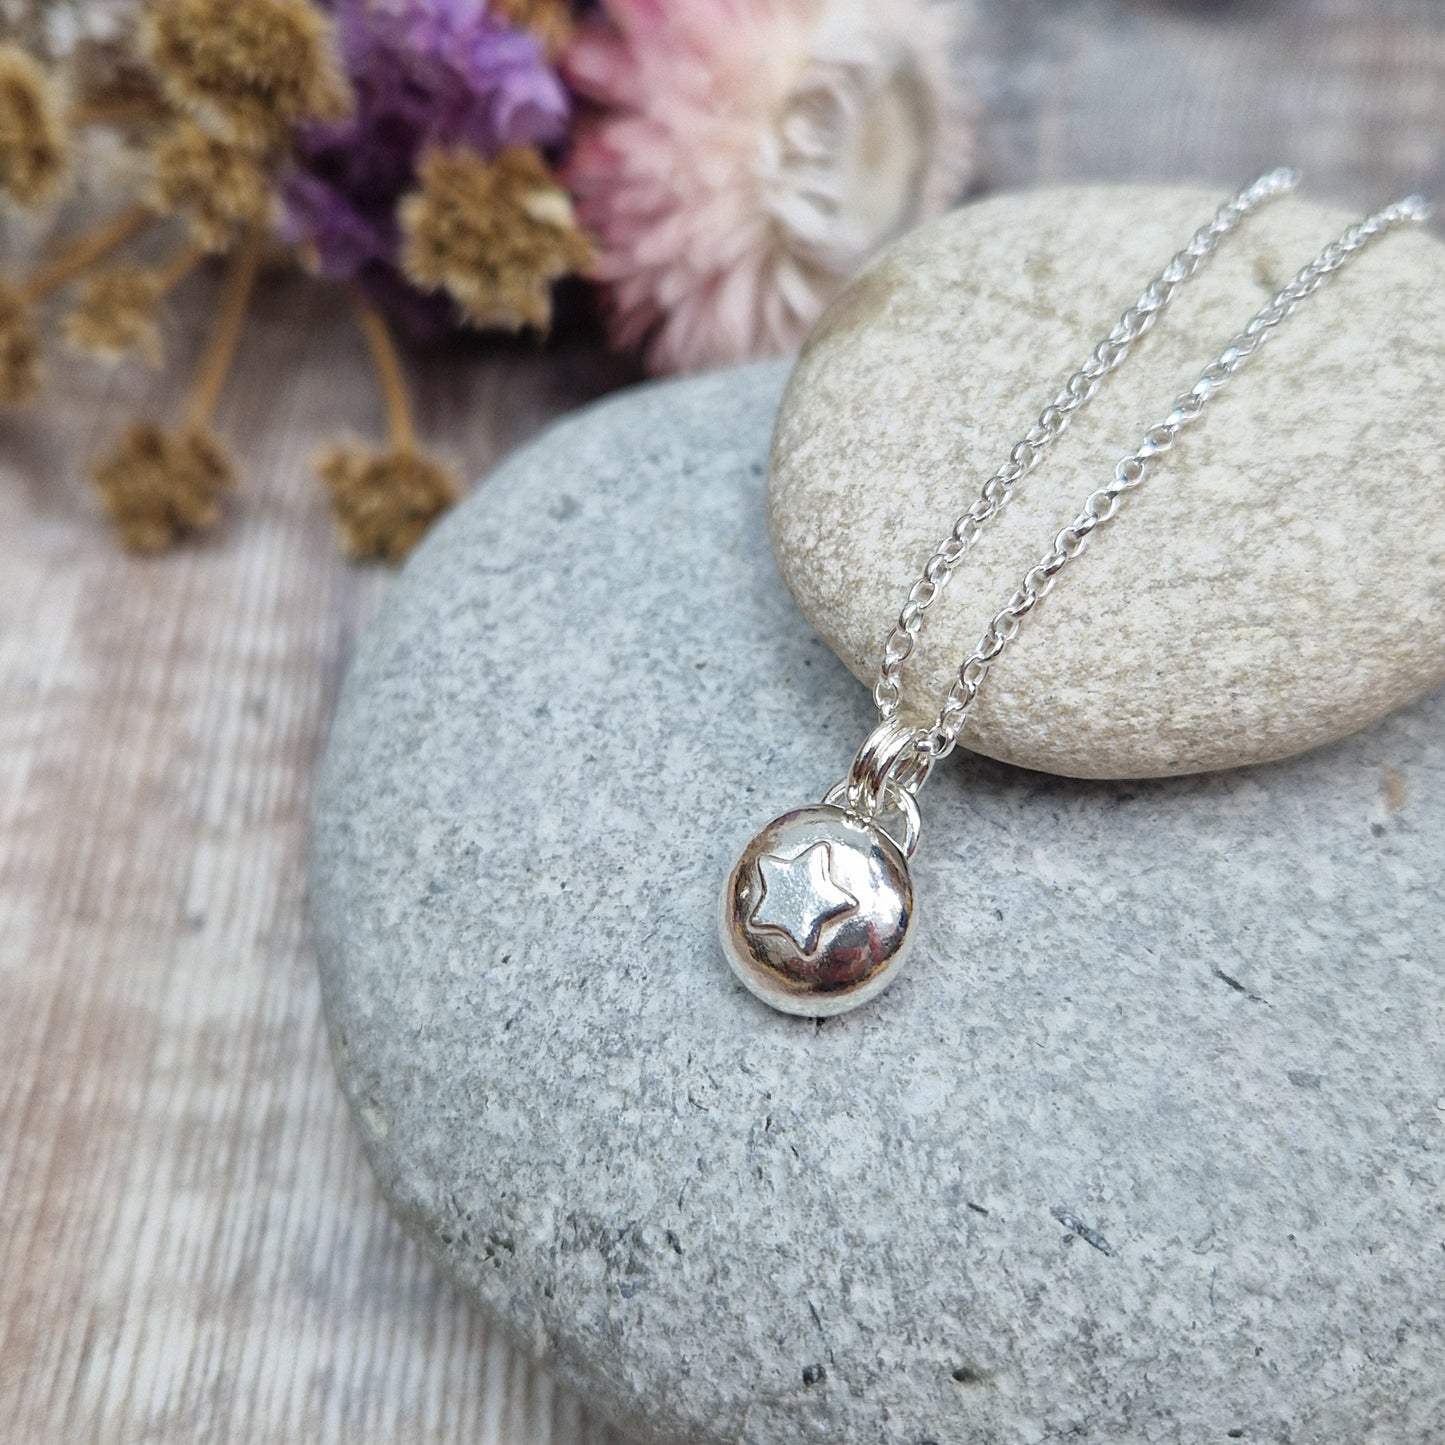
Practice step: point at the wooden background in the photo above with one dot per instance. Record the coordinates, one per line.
(190, 1245)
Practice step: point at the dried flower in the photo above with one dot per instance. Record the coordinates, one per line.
(549, 20)
(33, 142)
(424, 72)
(747, 157)
(232, 101)
(494, 234)
(453, 72)
(217, 185)
(117, 312)
(19, 345)
(159, 486)
(19, 348)
(384, 501)
(249, 69)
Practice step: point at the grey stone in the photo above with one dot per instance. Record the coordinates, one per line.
(1278, 582)
(1144, 1146)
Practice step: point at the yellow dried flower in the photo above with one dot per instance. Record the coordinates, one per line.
(495, 234)
(384, 502)
(117, 312)
(217, 185)
(19, 348)
(158, 486)
(34, 146)
(251, 69)
(549, 20)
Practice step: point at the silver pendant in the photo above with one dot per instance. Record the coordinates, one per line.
(817, 913)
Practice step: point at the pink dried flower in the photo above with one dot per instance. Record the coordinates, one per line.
(744, 157)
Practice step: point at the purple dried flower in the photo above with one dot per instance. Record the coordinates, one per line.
(424, 72)
(456, 72)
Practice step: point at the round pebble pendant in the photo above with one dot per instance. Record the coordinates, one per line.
(817, 914)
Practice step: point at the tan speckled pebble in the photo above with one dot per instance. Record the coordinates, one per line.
(1279, 581)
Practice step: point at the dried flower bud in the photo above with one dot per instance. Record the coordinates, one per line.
(158, 486)
(117, 312)
(19, 349)
(384, 502)
(251, 69)
(34, 146)
(494, 234)
(216, 185)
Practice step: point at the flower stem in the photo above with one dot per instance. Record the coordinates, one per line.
(401, 428)
(171, 273)
(241, 269)
(85, 251)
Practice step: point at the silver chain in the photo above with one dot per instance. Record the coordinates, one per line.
(1054, 420)
(908, 765)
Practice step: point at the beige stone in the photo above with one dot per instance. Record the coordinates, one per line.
(1277, 583)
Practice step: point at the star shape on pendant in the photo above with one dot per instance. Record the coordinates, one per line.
(800, 897)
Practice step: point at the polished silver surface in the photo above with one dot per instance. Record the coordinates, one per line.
(817, 915)
(797, 930)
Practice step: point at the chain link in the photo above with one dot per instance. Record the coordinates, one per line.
(1101, 506)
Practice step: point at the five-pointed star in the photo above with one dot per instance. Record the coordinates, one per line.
(799, 897)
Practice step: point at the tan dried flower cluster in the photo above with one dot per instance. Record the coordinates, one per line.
(384, 501)
(494, 234)
(217, 185)
(116, 311)
(34, 147)
(242, 72)
(159, 486)
(249, 69)
(212, 100)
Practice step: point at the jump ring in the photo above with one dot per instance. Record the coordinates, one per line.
(889, 756)
(897, 799)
